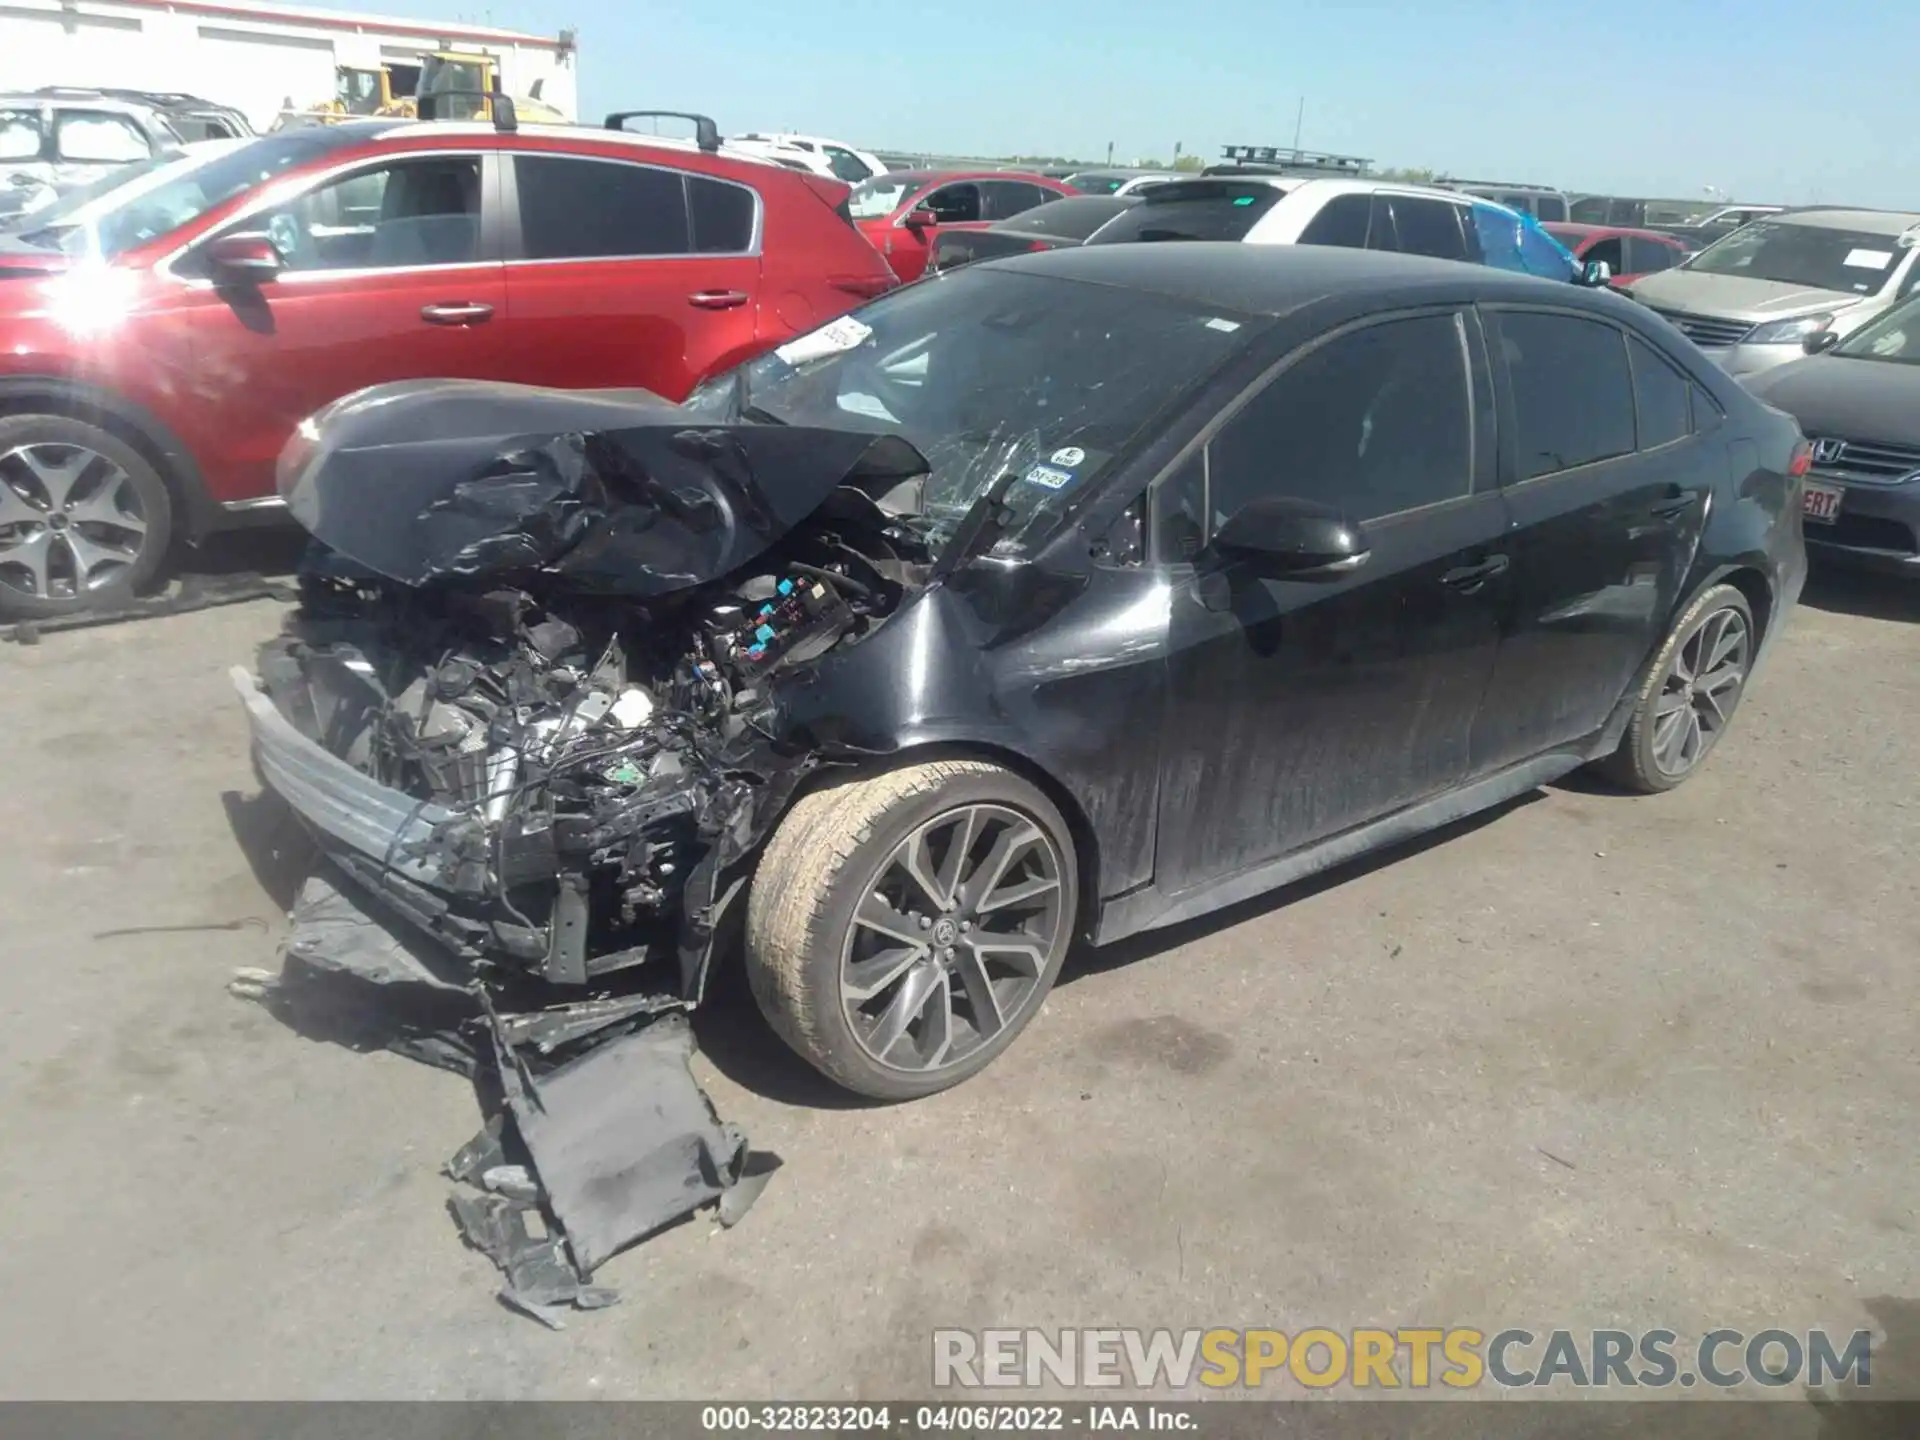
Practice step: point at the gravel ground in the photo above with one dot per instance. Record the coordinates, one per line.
(1588, 1061)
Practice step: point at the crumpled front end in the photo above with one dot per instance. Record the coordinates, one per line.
(532, 694)
(531, 709)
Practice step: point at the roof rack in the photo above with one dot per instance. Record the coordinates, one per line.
(505, 118)
(706, 134)
(1288, 158)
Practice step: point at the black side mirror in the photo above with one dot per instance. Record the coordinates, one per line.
(1820, 341)
(1292, 539)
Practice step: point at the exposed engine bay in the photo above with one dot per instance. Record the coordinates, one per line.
(594, 750)
(530, 707)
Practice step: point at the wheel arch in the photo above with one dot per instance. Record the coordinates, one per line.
(127, 421)
(1751, 581)
(1747, 575)
(1086, 848)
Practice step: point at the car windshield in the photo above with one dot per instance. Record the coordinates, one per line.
(1894, 336)
(989, 373)
(1849, 261)
(163, 199)
(881, 196)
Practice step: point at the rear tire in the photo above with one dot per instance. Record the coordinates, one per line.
(890, 965)
(1689, 695)
(85, 519)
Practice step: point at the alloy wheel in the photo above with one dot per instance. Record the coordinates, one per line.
(951, 940)
(1701, 689)
(70, 521)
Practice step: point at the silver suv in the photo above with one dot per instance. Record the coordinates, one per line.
(1750, 299)
(53, 143)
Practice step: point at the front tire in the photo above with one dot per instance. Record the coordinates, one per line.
(1689, 695)
(85, 520)
(903, 930)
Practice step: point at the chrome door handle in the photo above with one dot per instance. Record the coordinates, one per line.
(467, 312)
(718, 299)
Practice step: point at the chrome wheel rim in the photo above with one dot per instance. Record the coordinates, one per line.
(1701, 689)
(952, 938)
(70, 521)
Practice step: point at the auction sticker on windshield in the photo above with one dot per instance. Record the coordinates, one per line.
(1823, 502)
(1047, 477)
(833, 338)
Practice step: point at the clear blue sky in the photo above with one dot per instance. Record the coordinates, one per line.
(1769, 100)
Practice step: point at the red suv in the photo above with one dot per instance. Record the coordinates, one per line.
(159, 343)
(903, 211)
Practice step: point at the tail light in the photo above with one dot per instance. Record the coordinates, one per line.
(1038, 245)
(1802, 460)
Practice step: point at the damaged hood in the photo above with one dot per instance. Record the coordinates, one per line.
(610, 492)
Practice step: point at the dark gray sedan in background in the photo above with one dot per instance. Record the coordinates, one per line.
(1858, 400)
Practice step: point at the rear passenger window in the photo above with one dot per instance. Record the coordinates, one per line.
(1193, 210)
(722, 216)
(1572, 392)
(1003, 199)
(1429, 227)
(1646, 256)
(1374, 422)
(1341, 221)
(586, 209)
(1659, 397)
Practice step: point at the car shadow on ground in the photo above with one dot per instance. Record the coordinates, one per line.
(277, 847)
(1895, 1378)
(742, 1047)
(272, 551)
(1866, 593)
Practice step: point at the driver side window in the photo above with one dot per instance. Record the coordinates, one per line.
(411, 213)
(1372, 423)
(957, 204)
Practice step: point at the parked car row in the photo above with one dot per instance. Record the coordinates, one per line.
(173, 320)
(163, 340)
(1260, 209)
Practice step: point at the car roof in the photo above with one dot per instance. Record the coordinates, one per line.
(1871, 222)
(401, 129)
(25, 99)
(1278, 279)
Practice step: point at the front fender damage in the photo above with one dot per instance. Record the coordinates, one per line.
(531, 709)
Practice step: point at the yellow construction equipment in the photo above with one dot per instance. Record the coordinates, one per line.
(462, 84)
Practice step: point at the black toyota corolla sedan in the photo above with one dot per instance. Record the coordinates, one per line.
(1063, 596)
